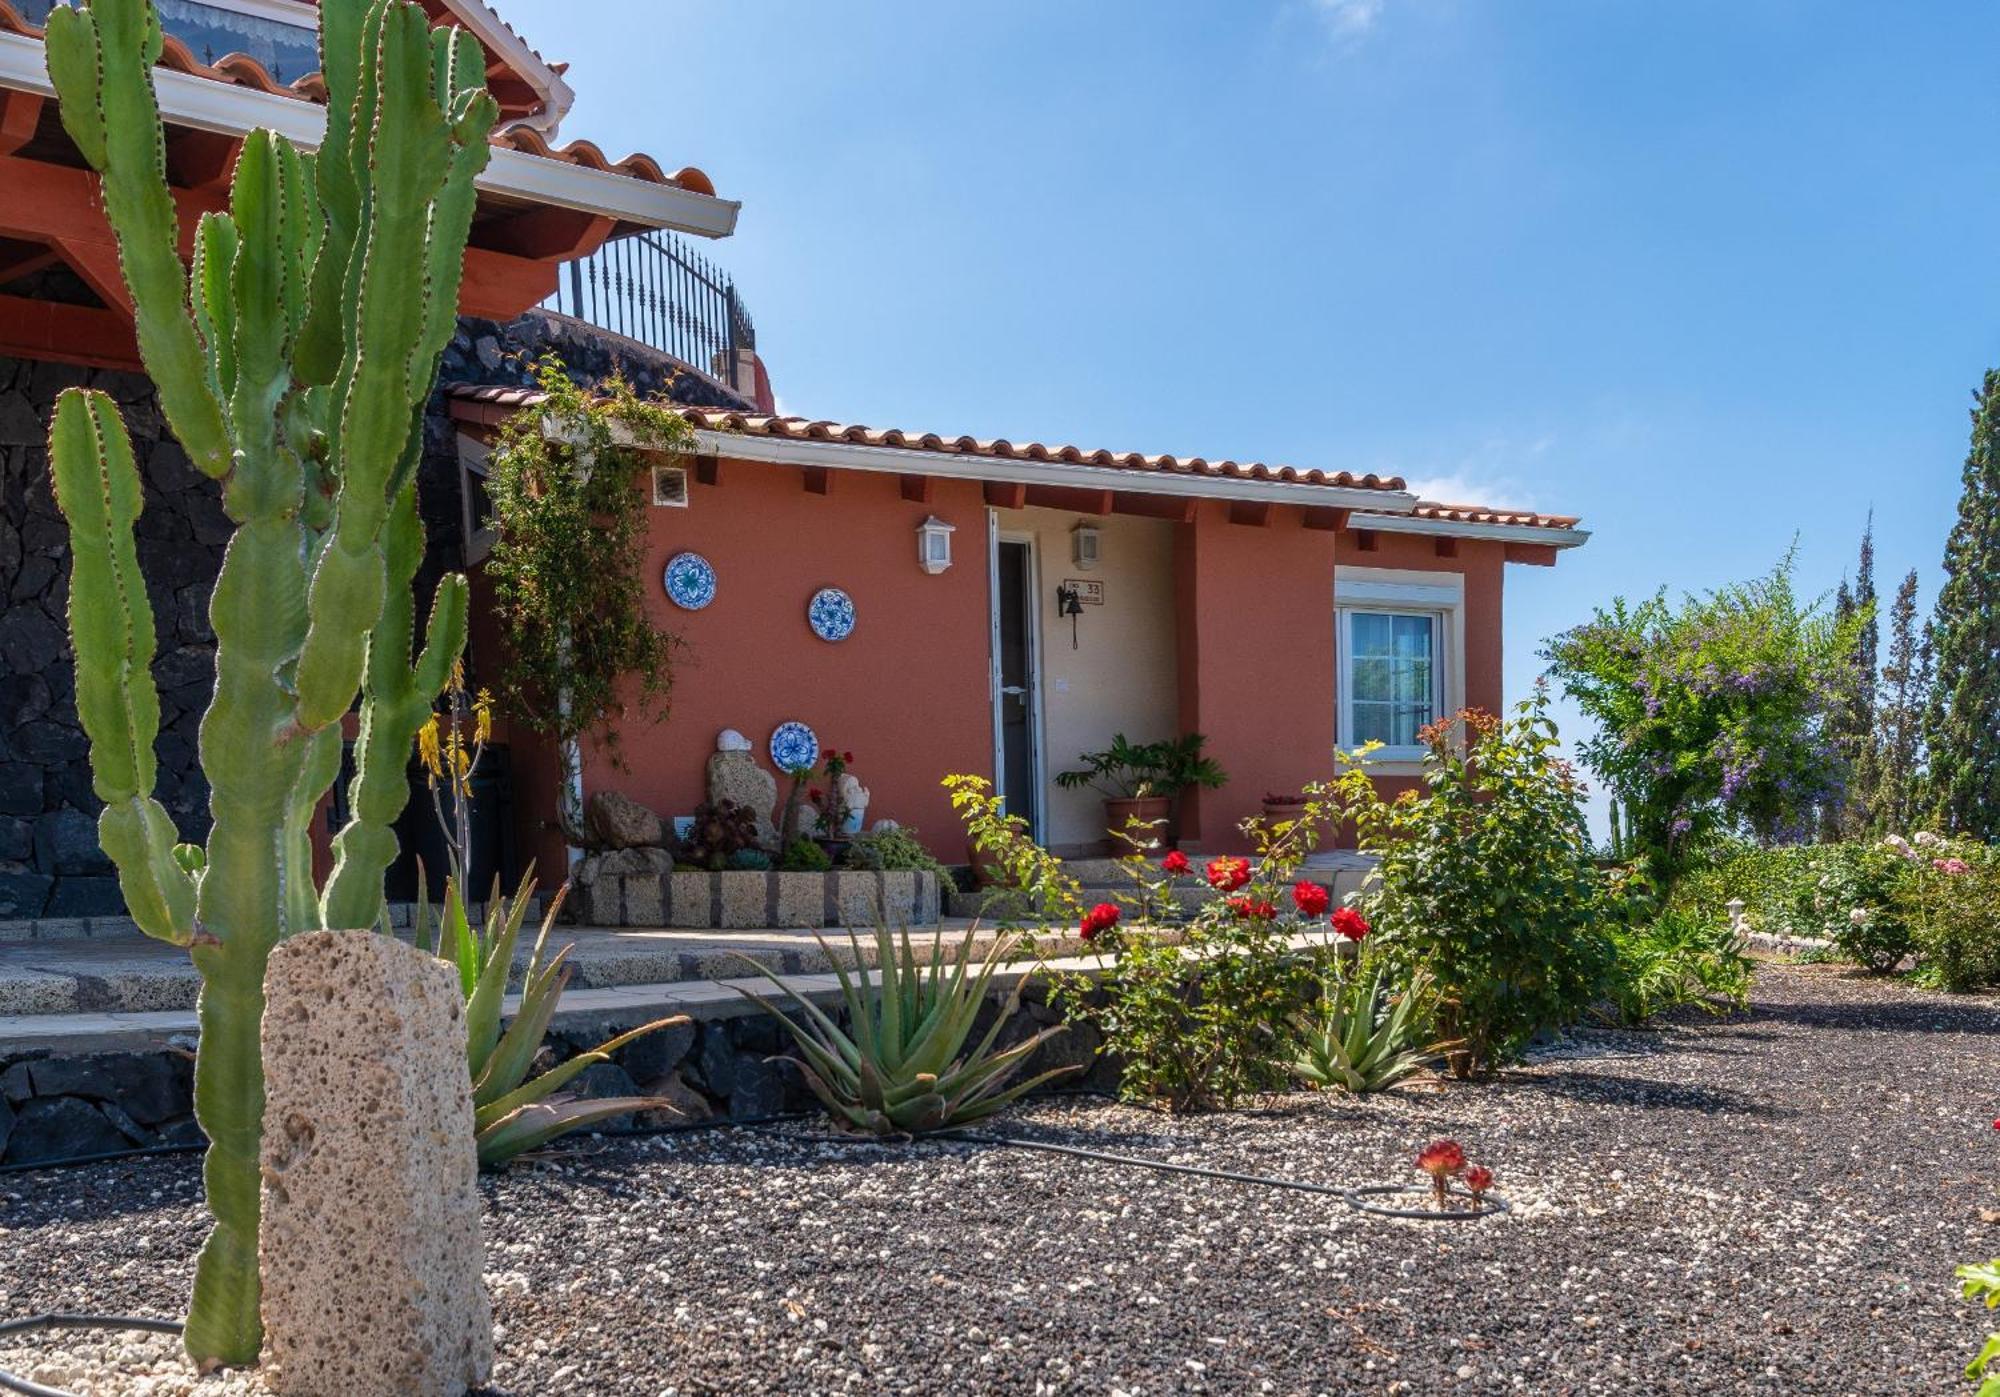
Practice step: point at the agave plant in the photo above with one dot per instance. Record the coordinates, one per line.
(510, 1113)
(902, 1067)
(1363, 1037)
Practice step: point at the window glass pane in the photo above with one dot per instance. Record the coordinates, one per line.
(1391, 677)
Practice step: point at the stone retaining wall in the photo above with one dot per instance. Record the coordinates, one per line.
(740, 901)
(54, 1107)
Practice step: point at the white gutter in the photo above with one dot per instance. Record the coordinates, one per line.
(207, 105)
(1449, 528)
(902, 460)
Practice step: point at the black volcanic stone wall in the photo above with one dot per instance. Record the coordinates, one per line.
(50, 863)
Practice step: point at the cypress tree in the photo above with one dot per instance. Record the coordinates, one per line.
(1899, 735)
(1865, 771)
(1962, 723)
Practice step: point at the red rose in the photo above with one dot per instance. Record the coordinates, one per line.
(1227, 875)
(813, 794)
(1252, 909)
(1100, 918)
(847, 757)
(1351, 924)
(1311, 899)
(1175, 863)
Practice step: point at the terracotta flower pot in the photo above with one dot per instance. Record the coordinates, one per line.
(1150, 811)
(1277, 812)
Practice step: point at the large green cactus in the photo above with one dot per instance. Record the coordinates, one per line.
(293, 360)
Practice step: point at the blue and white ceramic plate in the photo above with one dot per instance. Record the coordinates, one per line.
(831, 614)
(690, 581)
(794, 746)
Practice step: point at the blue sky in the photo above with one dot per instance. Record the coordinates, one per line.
(1711, 273)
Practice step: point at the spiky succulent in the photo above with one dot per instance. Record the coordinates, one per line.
(902, 1066)
(510, 1113)
(1363, 1036)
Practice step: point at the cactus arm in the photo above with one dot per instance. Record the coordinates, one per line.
(101, 63)
(316, 777)
(395, 703)
(97, 487)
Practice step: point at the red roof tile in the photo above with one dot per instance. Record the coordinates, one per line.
(1479, 514)
(999, 448)
(240, 70)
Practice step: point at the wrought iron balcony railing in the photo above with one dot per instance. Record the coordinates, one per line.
(654, 289)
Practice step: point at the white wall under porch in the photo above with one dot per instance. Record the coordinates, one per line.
(1121, 674)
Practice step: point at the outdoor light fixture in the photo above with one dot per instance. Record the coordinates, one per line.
(1069, 602)
(1084, 539)
(934, 545)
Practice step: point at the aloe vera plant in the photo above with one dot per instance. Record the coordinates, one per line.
(511, 1113)
(292, 361)
(1362, 1037)
(902, 1066)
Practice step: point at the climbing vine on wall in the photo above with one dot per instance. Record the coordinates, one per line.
(578, 651)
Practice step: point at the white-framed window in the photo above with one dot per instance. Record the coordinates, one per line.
(1400, 642)
(1392, 676)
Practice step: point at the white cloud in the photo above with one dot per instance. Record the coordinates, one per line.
(1348, 19)
(1486, 475)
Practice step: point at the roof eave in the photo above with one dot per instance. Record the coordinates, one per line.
(1547, 535)
(899, 460)
(206, 105)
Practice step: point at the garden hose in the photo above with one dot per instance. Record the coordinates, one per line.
(13, 1383)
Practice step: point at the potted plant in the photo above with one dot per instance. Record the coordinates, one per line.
(1142, 782)
(1282, 808)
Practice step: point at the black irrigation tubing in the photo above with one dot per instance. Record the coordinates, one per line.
(13, 1382)
(1351, 1196)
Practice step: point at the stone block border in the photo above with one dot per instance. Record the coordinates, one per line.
(744, 901)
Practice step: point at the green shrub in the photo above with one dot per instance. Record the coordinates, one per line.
(1861, 899)
(1982, 1283)
(805, 856)
(1953, 903)
(1674, 959)
(1488, 885)
(894, 851)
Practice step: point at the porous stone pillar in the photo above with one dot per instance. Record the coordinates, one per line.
(370, 1249)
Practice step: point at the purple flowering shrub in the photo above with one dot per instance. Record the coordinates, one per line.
(1711, 715)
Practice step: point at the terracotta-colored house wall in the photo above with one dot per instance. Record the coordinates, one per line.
(907, 692)
(1256, 660)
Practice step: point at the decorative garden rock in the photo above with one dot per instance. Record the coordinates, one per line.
(615, 821)
(370, 1249)
(731, 740)
(736, 777)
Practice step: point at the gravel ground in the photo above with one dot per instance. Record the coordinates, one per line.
(1772, 1203)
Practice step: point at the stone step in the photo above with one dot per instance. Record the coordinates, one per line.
(13, 931)
(136, 975)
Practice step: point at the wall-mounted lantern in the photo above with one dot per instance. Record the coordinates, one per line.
(934, 545)
(1086, 545)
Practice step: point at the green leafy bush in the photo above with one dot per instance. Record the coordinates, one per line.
(894, 851)
(901, 1067)
(1859, 900)
(1674, 959)
(1982, 1283)
(1711, 715)
(1953, 903)
(1487, 883)
(805, 856)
